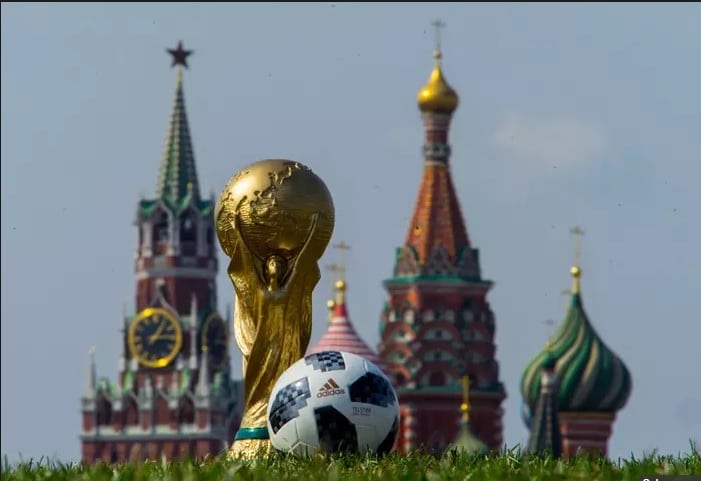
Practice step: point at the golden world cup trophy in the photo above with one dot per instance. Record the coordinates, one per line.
(274, 220)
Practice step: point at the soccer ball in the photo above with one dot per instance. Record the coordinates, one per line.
(333, 401)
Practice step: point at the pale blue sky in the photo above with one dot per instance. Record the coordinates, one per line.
(570, 114)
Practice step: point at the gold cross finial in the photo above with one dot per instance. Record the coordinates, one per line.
(578, 233)
(341, 268)
(567, 294)
(438, 24)
(465, 406)
(576, 270)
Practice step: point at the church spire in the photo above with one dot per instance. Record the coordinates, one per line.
(437, 222)
(91, 387)
(177, 180)
(545, 434)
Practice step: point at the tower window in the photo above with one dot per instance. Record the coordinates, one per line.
(161, 227)
(187, 228)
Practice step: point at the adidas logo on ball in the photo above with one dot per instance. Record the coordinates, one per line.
(330, 388)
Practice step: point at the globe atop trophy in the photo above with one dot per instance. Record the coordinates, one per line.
(274, 221)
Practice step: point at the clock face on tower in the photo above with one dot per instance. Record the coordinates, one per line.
(155, 337)
(214, 339)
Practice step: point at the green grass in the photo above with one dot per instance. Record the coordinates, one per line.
(507, 466)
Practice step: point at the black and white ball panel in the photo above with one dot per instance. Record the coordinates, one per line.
(373, 389)
(326, 361)
(288, 401)
(336, 432)
(333, 401)
(386, 445)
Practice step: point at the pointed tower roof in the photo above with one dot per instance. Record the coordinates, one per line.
(177, 178)
(178, 184)
(437, 218)
(466, 441)
(545, 434)
(592, 377)
(437, 243)
(91, 385)
(341, 334)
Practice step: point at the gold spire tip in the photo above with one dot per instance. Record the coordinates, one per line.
(465, 405)
(330, 304)
(437, 96)
(576, 270)
(438, 24)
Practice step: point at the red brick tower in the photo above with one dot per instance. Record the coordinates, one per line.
(437, 324)
(174, 396)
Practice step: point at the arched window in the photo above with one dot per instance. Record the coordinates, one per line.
(188, 227)
(188, 234)
(161, 231)
(104, 411)
(187, 411)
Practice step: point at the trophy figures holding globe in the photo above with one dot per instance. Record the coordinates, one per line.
(274, 221)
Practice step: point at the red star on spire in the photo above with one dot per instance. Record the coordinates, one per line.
(179, 55)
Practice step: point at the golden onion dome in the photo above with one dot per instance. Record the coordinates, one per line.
(437, 96)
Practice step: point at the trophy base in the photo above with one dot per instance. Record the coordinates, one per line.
(250, 449)
(250, 443)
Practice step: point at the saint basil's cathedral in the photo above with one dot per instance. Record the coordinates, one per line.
(175, 397)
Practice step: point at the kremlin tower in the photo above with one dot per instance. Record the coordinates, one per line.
(341, 335)
(437, 325)
(593, 382)
(174, 396)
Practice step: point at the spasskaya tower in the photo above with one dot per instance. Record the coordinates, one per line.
(174, 396)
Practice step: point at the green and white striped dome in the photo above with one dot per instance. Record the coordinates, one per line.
(591, 377)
